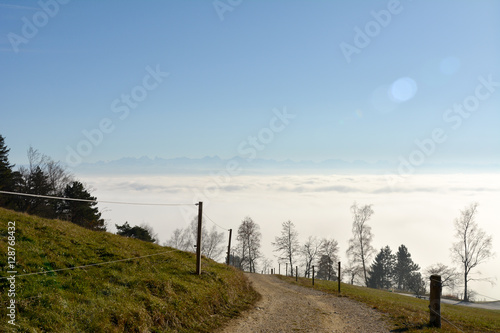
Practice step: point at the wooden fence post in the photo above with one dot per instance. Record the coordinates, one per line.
(229, 246)
(198, 239)
(296, 273)
(313, 275)
(339, 277)
(435, 301)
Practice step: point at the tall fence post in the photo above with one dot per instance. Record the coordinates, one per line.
(198, 239)
(435, 301)
(296, 273)
(229, 246)
(313, 275)
(339, 277)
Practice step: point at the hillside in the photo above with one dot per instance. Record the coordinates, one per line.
(152, 294)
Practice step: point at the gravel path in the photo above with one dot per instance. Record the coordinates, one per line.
(289, 308)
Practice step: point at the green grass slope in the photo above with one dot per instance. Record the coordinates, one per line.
(411, 314)
(158, 293)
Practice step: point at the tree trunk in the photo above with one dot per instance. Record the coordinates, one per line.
(363, 257)
(466, 294)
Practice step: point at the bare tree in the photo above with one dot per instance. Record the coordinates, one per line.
(239, 255)
(213, 244)
(57, 176)
(360, 249)
(287, 244)
(473, 247)
(449, 276)
(211, 241)
(249, 238)
(353, 272)
(35, 160)
(267, 264)
(178, 240)
(310, 252)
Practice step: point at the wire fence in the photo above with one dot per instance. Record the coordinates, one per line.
(493, 299)
(90, 265)
(96, 201)
(446, 320)
(208, 217)
(108, 202)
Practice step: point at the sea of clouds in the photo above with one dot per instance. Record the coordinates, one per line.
(418, 212)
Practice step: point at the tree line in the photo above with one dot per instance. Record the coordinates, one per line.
(46, 177)
(383, 269)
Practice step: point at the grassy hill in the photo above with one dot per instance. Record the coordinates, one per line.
(411, 314)
(159, 293)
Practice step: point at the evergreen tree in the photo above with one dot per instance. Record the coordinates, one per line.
(325, 268)
(404, 269)
(416, 284)
(38, 183)
(82, 213)
(141, 233)
(382, 269)
(6, 176)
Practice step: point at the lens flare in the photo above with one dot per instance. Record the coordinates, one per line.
(403, 89)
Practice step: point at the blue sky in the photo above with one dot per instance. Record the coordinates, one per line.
(228, 71)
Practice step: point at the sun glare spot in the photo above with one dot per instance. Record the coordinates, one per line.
(403, 89)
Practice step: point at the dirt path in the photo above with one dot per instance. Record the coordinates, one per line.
(289, 308)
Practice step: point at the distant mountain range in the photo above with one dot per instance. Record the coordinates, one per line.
(214, 164)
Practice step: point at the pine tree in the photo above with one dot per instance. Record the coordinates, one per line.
(325, 268)
(416, 284)
(6, 176)
(141, 233)
(382, 269)
(38, 183)
(404, 268)
(82, 213)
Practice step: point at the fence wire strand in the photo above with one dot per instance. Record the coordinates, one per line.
(208, 217)
(494, 299)
(90, 265)
(96, 201)
(446, 320)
